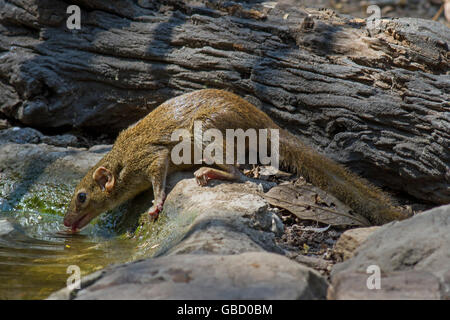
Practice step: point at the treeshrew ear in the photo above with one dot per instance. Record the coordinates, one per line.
(104, 178)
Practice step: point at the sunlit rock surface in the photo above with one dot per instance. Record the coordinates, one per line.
(413, 257)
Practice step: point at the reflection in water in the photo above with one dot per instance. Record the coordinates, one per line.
(35, 253)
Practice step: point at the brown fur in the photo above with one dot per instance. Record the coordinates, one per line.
(140, 158)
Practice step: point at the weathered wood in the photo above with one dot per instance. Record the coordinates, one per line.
(376, 101)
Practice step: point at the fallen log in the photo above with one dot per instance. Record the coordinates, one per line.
(375, 100)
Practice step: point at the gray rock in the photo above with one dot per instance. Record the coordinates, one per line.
(401, 285)
(256, 275)
(5, 227)
(20, 135)
(350, 240)
(45, 172)
(417, 244)
(30, 135)
(231, 218)
(46, 162)
(64, 140)
(68, 293)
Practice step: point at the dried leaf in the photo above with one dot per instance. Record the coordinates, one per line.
(311, 203)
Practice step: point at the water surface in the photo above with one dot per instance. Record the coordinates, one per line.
(35, 253)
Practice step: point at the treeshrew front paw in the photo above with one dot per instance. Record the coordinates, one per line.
(154, 211)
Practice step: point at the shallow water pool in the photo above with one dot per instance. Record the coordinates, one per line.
(35, 253)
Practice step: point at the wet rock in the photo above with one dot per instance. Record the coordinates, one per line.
(255, 275)
(350, 240)
(5, 227)
(417, 244)
(68, 293)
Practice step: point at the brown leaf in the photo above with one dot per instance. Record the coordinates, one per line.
(311, 203)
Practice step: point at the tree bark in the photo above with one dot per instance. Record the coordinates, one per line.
(375, 100)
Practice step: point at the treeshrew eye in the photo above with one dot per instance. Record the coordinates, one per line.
(81, 197)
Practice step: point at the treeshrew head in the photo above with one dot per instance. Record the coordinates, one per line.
(93, 195)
